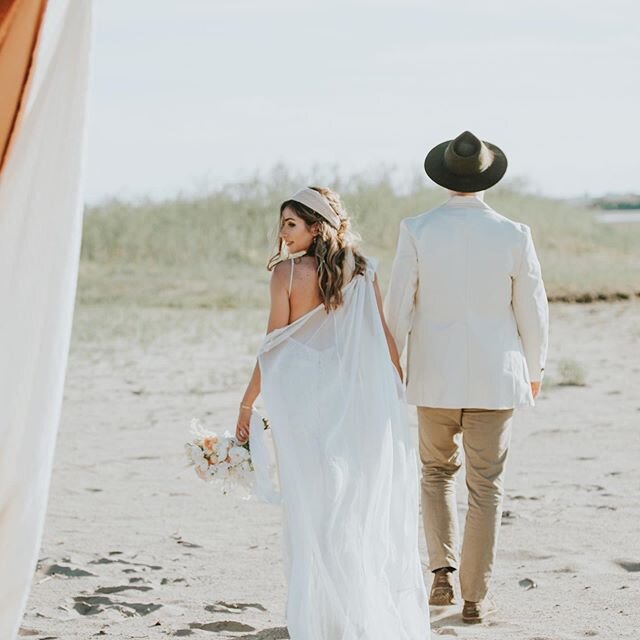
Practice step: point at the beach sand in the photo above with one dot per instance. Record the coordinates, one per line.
(135, 546)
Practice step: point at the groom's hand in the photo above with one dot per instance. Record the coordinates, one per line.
(535, 389)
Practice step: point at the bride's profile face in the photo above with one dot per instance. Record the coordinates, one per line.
(294, 231)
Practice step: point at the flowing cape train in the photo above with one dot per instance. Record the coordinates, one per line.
(348, 475)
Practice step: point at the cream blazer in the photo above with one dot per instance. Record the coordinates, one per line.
(467, 290)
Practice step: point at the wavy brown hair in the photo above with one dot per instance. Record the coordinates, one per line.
(335, 250)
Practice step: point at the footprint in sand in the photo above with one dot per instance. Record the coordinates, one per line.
(69, 572)
(180, 540)
(167, 580)
(631, 567)
(124, 587)
(274, 633)
(153, 567)
(527, 583)
(222, 625)
(568, 569)
(232, 607)
(92, 605)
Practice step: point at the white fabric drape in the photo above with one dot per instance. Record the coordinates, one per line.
(348, 475)
(40, 231)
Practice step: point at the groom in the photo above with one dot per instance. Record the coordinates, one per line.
(467, 290)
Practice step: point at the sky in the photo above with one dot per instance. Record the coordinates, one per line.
(193, 94)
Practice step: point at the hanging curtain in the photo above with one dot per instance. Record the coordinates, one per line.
(20, 22)
(40, 231)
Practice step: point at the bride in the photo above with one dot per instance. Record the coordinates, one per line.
(330, 378)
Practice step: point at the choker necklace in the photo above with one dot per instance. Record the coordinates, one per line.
(297, 254)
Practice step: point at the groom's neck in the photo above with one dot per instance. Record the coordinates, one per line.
(476, 194)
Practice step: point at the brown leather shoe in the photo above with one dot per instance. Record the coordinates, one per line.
(476, 612)
(442, 589)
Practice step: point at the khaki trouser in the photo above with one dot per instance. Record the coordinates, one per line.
(485, 436)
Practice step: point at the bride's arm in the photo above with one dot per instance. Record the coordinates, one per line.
(393, 351)
(278, 317)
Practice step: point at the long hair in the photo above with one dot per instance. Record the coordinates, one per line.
(337, 257)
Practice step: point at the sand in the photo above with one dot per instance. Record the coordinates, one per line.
(135, 546)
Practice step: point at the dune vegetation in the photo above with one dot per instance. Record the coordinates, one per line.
(210, 250)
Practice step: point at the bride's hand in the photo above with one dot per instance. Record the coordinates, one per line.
(242, 426)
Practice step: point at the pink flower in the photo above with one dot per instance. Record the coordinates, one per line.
(209, 443)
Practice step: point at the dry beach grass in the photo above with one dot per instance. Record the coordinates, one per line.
(208, 251)
(135, 547)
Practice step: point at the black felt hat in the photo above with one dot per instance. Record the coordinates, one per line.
(466, 164)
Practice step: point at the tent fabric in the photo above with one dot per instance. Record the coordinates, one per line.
(40, 232)
(20, 22)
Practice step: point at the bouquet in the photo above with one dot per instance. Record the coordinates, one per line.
(221, 458)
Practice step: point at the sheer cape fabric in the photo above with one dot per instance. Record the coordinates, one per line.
(348, 475)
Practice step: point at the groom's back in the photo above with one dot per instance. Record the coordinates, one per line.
(467, 256)
(465, 286)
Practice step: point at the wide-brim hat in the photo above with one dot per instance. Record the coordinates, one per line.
(466, 164)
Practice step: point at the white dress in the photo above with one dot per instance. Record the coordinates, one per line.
(348, 475)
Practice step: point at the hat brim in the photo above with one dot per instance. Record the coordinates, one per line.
(436, 169)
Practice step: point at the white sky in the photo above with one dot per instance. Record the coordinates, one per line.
(187, 93)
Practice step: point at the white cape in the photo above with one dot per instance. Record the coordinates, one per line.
(348, 475)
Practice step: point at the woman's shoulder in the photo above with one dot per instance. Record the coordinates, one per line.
(280, 274)
(286, 264)
(287, 269)
(371, 264)
(280, 267)
(307, 263)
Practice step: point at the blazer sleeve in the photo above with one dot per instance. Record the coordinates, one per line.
(400, 299)
(531, 309)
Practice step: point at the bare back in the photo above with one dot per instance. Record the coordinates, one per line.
(304, 292)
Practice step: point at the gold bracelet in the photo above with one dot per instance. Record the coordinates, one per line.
(244, 406)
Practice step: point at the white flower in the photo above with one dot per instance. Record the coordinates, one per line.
(238, 454)
(222, 448)
(194, 453)
(197, 428)
(224, 460)
(222, 471)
